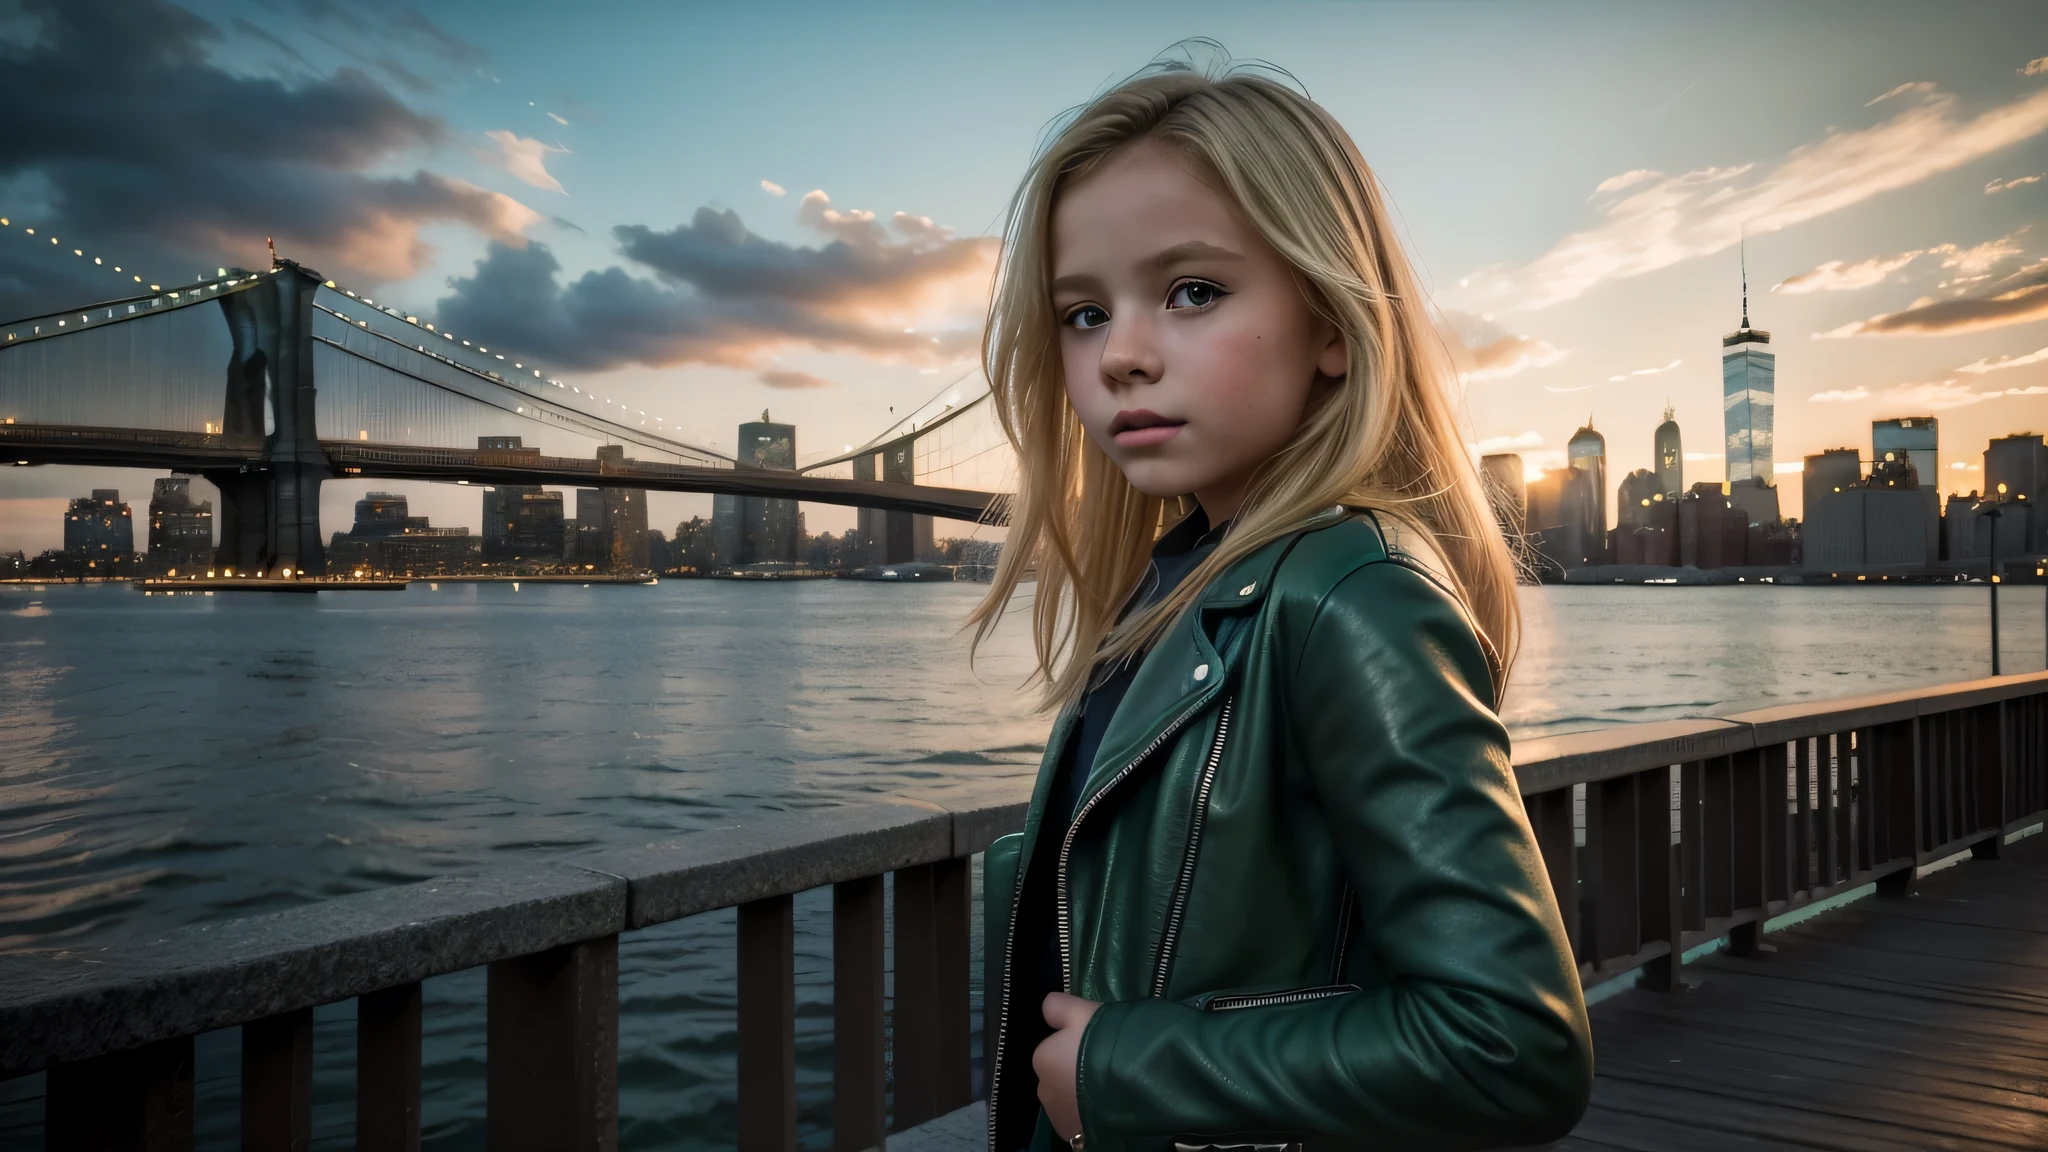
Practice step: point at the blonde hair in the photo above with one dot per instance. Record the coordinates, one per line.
(1383, 438)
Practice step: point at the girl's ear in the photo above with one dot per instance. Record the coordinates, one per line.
(1335, 359)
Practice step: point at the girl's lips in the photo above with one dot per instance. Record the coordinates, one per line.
(1146, 437)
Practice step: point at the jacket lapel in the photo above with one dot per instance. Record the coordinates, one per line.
(1185, 670)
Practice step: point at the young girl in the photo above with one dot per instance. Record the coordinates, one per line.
(1276, 885)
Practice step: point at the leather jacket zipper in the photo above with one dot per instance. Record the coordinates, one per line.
(1265, 999)
(1065, 922)
(1178, 907)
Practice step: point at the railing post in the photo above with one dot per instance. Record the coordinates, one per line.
(552, 1031)
(1613, 842)
(767, 1025)
(1717, 843)
(388, 1069)
(1657, 880)
(134, 1101)
(931, 1025)
(1748, 838)
(277, 1083)
(1690, 837)
(858, 1055)
(1897, 798)
(1550, 814)
(1993, 773)
(1802, 823)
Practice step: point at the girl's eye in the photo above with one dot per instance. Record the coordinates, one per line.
(1193, 294)
(1087, 316)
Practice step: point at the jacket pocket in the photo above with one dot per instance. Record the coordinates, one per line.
(1226, 1001)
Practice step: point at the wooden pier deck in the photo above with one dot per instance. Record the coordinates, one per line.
(1888, 1025)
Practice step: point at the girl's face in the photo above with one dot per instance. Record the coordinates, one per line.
(1191, 355)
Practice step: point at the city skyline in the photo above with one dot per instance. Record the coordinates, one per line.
(1890, 187)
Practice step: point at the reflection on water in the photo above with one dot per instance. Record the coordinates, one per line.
(174, 760)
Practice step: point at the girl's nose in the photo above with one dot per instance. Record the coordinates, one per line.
(1131, 355)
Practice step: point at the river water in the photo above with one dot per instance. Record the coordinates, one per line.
(174, 760)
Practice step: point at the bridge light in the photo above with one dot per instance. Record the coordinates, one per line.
(97, 260)
(330, 284)
(152, 287)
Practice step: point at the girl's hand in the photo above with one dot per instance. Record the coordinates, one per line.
(1055, 1059)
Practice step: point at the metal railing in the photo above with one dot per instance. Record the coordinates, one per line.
(1659, 836)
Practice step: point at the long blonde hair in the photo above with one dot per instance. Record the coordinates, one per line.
(1384, 437)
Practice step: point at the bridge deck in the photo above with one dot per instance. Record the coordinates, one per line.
(1889, 1024)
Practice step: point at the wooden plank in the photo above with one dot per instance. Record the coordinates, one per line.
(953, 947)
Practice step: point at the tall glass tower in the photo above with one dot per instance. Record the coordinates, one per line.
(1749, 373)
(1670, 456)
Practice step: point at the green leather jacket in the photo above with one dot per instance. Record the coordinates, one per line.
(1301, 881)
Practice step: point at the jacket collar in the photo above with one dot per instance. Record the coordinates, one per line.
(1185, 668)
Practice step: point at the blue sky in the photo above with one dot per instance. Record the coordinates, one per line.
(1866, 147)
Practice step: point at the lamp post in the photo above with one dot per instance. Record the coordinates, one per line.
(1991, 508)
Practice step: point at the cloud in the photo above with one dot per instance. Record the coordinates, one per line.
(1962, 466)
(773, 189)
(1567, 391)
(1627, 179)
(1482, 349)
(2035, 67)
(526, 159)
(1669, 219)
(1786, 467)
(558, 120)
(783, 378)
(1840, 395)
(144, 145)
(2018, 298)
(1997, 186)
(1697, 457)
(2003, 362)
(1516, 443)
(1836, 276)
(713, 291)
(1910, 86)
(1646, 371)
(1980, 258)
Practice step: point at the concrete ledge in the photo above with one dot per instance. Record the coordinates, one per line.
(774, 854)
(73, 1005)
(1552, 762)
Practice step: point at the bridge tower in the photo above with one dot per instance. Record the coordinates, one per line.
(893, 537)
(270, 510)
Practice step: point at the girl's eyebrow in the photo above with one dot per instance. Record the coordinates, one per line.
(1181, 253)
(1194, 250)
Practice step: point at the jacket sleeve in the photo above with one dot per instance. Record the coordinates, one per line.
(1474, 1033)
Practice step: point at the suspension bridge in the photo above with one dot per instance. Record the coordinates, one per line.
(321, 383)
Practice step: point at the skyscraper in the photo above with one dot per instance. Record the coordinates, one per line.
(757, 529)
(180, 531)
(1587, 452)
(99, 527)
(1915, 438)
(1748, 397)
(1670, 457)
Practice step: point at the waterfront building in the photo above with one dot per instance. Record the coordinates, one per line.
(1561, 510)
(180, 531)
(1587, 451)
(1915, 439)
(1713, 531)
(759, 529)
(1748, 398)
(1506, 486)
(1670, 456)
(610, 529)
(1646, 520)
(2016, 469)
(521, 522)
(99, 528)
(1882, 520)
(380, 514)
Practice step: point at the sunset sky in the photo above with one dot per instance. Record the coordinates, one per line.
(715, 209)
